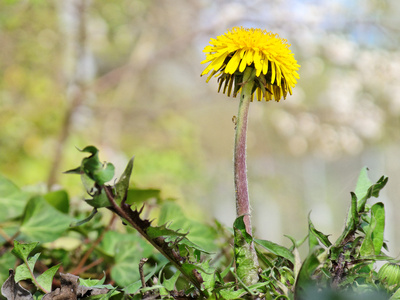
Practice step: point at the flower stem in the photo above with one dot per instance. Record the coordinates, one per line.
(245, 253)
(240, 169)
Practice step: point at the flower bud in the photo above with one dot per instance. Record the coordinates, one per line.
(389, 275)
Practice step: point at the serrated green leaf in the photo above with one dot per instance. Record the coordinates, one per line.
(378, 213)
(99, 200)
(12, 199)
(122, 185)
(157, 231)
(22, 250)
(169, 284)
(239, 226)
(245, 256)
(43, 222)
(373, 240)
(322, 238)
(208, 273)
(231, 293)
(373, 191)
(276, 249)
(201, 235)
(24, 271)
(59, 200)
(188, 268)
(46, 278)
(363, 183)
(352, 222)
(367, 246)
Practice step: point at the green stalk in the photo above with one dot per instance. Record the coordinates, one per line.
(245, 254)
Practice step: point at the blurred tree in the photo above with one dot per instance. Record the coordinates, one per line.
(127, 74)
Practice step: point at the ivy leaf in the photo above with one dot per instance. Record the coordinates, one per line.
(46, 278)
(12, 199)
(43, 222)
(25, 271)
(59, 200)
(22, 251)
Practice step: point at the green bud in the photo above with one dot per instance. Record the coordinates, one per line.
(389, 275)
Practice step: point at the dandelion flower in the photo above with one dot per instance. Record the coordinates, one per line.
(270, 56)
(249, 61)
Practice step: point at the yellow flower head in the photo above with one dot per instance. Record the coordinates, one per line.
(275, 65)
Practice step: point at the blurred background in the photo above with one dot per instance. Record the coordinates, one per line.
(124, 76)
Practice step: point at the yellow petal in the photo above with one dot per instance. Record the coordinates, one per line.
(257, 62)
(273, 72)
(218, 62)
(211, 75)
(233, 63)
(265, 67)
(243, 63)
(250, 56)
(278, 75)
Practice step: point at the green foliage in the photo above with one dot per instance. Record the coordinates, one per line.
(180, 256)
(12, 199)
(25, 271)
(43, 222)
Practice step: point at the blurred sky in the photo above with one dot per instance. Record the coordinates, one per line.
(124, 76)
